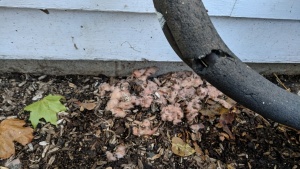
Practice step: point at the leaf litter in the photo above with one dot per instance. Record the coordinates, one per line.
(177, 120)
(12, 130)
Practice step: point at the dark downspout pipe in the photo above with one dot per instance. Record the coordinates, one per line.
(193, 37)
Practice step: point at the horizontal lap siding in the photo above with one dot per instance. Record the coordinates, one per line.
(127, 30)
(140, 6)
(258, 40)
(271, 9)
(219, 7)
(82, 35)
(268, 9)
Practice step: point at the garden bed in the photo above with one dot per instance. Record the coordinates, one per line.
(222, 134)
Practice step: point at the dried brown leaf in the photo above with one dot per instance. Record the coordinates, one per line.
(226, 117)
(88, 106)
(198, 150)
(13, 130)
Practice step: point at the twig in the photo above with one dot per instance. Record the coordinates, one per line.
(281, 83)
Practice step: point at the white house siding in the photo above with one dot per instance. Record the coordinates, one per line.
(260, 31)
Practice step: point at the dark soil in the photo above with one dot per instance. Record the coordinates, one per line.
(82, 138)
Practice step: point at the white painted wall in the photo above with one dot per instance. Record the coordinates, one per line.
(140, 6)
(32, 34)
(273, 9)
(129, 30)
(264, 9)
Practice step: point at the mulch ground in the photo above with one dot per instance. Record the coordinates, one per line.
(83, 137)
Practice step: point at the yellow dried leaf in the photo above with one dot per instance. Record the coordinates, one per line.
(12, 130)
(211, 110)
(179, 147)
(223, 110)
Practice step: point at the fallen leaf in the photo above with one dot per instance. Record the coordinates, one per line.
(88, 106)
(46, 108)
(198, 150)
(227, 130)
(179, 147)
(211, 110)
(226, 118)
(223, 110)
(13, 130)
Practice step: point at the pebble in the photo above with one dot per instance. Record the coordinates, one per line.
(15, 164)
(2, 118)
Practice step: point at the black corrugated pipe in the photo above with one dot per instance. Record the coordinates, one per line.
(193, 37)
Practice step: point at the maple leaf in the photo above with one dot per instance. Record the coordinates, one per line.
(181, 148)
(46, 108)
(13, 130)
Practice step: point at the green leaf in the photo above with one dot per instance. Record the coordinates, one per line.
(46, 108)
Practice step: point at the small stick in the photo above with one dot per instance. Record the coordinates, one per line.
(281, 83)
